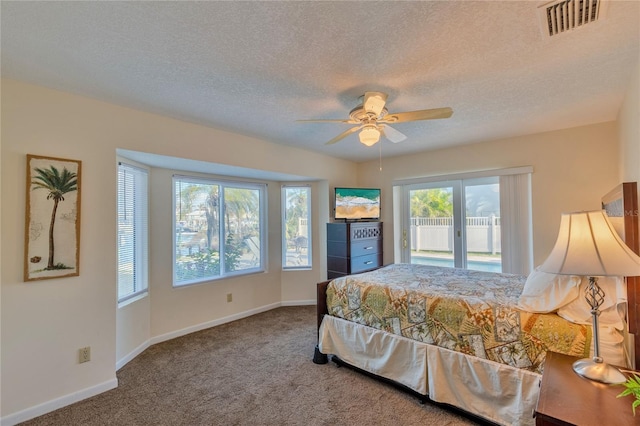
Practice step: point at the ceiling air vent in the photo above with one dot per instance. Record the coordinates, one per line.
(561, 16)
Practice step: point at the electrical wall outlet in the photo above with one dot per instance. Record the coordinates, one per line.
(229, 297)
(84, 354)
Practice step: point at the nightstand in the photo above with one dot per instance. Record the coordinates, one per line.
(569, 399)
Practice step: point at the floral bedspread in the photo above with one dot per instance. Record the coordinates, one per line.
(467, 311)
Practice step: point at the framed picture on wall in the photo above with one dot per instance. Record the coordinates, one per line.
(52, 218)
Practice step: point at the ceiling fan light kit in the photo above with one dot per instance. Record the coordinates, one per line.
(371, 118)
(369, 135)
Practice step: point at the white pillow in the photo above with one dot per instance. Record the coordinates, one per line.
(544, 292)
(612, 310)
(611, 345)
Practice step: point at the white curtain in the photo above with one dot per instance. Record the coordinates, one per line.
(516, 223)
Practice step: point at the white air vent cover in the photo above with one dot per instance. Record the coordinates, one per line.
(561, 16)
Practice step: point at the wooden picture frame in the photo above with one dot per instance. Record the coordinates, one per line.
(52, 218)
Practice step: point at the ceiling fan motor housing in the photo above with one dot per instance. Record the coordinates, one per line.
(358, 114)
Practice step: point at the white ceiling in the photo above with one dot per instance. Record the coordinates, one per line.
(256, 67)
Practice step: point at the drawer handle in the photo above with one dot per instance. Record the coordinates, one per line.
(369, 262)
(368, 248)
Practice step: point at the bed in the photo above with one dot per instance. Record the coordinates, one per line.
(472, 339)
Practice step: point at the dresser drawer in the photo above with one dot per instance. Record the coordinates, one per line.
(364, 263)
(338, 263)
(365, 231)
(364, 247)
(337, 248)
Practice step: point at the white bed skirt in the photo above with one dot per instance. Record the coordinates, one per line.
(496, 392)
(394, 357)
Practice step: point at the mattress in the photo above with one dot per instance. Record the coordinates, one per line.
(470, 312)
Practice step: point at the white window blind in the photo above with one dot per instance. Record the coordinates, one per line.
(517, 223)
(296, 227)
(132, 231)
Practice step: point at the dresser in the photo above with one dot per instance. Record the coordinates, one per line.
(353, 247)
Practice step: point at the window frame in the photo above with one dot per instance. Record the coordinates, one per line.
(263, 229)
(309, 255)
(459, 189)
(140, 230)
(516, 207)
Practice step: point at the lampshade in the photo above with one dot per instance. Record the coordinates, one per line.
(369, 135)
(588, 245)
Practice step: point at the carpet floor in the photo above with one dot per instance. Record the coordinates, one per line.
(254, 371)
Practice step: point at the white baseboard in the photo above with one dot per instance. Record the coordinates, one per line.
(192, 329)
(213, 323)
(54, 404)
(63, 401)
(224, 320)
(131, 355)
(298, 302)
(198, 327)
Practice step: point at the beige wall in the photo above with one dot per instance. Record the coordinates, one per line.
(178, 308)
(294, 283)
(572, 168)
(45, 322)
(629, 130)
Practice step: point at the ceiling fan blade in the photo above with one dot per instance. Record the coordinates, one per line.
(424, 114)
(329, 121)
(344, 135)
(374, 102)
(392, 134)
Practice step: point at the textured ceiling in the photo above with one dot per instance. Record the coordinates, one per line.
(256, 67)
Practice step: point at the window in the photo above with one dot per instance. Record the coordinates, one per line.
(296, 224)
(479, 221)
(219, 229)
(456, 223)
(132, 231)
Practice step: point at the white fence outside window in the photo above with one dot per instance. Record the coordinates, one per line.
(303, 227)
(436, 234)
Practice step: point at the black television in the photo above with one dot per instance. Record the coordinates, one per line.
(357, 204)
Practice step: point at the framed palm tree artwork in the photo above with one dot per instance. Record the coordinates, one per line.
(52, 226)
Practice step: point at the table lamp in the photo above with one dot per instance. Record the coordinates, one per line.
(588, 245)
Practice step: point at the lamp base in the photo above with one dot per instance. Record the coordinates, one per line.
(598, 371)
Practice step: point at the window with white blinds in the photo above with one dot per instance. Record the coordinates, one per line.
(132, 231)
(296, 227)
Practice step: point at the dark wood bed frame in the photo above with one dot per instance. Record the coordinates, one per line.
(321, 311)
(625, 196)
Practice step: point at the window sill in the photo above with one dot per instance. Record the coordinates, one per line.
(133, 299)
(234, 274)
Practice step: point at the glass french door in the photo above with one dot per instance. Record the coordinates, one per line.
(482, 224)
(453, 223)
(432, 230)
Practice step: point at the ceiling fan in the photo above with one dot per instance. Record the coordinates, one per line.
(372, 118)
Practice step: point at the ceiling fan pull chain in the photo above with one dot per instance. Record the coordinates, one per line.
(380, 150)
